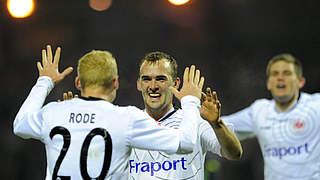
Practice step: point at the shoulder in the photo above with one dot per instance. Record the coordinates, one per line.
(260, 102)
(50, 106)
(132, 112)
(310, 97)
(310, 101)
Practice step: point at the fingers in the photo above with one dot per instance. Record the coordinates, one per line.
(201, 83)
(215, 97)
(219, 107)
(197, 77)
(175, 92)
(67, 71)
(203, 97)
(44, 58)
(209, 94)
(186, 75)
(65, 96)
(40, 68)
(191, 73)
(49, 54)
(57, 56)
(69, 95)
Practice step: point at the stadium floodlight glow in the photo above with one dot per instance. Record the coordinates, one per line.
(20, 8)
(100, 5)
(178, 2)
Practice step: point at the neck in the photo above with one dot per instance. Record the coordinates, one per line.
(106, 94)
(284, 106)
(158, 114)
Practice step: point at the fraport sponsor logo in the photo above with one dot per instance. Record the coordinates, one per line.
(286, 151)
(152, 167)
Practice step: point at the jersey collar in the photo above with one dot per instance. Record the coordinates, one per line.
(90, 98)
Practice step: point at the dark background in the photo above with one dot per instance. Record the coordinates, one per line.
(230, 41)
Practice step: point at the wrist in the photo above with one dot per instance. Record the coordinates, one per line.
(217, 123)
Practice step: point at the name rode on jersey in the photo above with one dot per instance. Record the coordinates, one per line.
(286, 151)
(151, 167)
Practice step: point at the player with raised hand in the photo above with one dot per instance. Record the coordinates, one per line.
(157, 76)
(89, 137)
(210, 111)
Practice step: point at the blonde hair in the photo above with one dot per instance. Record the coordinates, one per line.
(97, 69)
(289, 58)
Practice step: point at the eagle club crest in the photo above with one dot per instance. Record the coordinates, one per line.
(299, 125)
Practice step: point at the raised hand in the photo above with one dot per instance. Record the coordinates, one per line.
(210, 107)
(192, 84)
(51, 68)
(68, 95)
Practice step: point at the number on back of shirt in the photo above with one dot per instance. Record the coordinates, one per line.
(84, 152)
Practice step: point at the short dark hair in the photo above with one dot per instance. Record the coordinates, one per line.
(156, 56)
(289, 58)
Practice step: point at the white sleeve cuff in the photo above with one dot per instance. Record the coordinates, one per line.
(45, 81)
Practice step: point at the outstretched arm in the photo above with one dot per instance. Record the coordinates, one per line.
(26, 124)
(189, 95)
(210, 110)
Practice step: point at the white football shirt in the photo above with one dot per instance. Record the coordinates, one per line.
(148, 164)
(290, 140)
(88, 138)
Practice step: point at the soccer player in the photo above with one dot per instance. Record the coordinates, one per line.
(90, 138)
(287, 127)
(158, 72)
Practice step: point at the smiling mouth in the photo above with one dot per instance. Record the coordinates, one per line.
(281, 86)
(154, 95)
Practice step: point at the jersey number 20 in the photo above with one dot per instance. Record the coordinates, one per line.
(84, 151)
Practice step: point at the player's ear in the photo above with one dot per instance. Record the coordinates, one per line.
(268, 84)
(77, 83)
(115, 83)
(302, 82)
(138, 85)
(177, 83)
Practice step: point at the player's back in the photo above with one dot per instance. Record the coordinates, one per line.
(86, 139)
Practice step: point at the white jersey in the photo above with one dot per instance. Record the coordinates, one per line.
(148, 165)
(88, 138)
(290, 140)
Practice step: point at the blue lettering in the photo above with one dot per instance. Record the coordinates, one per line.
(299, 147)
(284, 151)
(130, 161)
(152, 167)
(175, 164)
(164, 165)
(137, 164)
(145, 167)
(292, 150)
(183, 160)
(306, 146)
